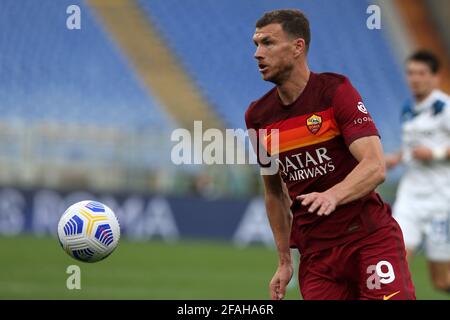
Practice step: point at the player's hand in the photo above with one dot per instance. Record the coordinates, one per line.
(422, 153)
(322, 202)
(392, 160)
(280, 281)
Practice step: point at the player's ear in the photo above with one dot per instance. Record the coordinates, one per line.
(299, 47)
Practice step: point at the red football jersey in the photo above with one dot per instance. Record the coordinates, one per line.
(314, 134)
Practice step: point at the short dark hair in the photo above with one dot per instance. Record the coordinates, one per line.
(293, 22)
(427, 57)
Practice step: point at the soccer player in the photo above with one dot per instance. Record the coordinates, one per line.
(422, 207)
(330, 160)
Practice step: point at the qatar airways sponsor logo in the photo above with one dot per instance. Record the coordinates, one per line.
(306, 165)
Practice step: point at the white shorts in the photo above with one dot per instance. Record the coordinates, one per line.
(423, 224)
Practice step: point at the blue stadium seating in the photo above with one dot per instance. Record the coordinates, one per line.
(213, 41)
(50, 72)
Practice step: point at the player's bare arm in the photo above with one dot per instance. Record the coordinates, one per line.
(393, 159)
(364, 178)
(278, 211)
(421, 153)
(426, 154)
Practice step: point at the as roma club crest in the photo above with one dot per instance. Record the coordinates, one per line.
(314, 123)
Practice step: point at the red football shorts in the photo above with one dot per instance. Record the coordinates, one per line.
(374, 267)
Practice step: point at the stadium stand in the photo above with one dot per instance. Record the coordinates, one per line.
(65, 93)
(217, 52)
(52, 73)
(70, 105)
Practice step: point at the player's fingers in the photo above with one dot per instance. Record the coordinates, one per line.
(329, 210)
(273, 286)
(307, 198)
(316, 204)
(323, 209)
(282, 289)
(273, 294)
(300, 197)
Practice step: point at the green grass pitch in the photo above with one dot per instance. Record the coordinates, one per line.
(35, 268)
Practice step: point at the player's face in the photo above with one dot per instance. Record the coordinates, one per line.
(274, 52)
(420, 79)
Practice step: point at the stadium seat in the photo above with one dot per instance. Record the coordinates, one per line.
(49, 72)
(217, 52)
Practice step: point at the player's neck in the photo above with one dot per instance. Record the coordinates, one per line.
(422, 97)
(293, 87)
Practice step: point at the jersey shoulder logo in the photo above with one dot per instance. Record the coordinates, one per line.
(314, 123)
(362, 107)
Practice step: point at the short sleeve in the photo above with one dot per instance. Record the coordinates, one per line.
(248, 120)
(262, 156)
(351, 115)
(252, 131)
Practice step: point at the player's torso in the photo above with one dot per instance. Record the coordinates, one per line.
(312, 155)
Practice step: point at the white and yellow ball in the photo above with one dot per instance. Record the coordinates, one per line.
(89, 231)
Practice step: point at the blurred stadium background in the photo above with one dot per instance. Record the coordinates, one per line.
(88, 114)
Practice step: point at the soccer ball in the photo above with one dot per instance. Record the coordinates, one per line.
(89, 231)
